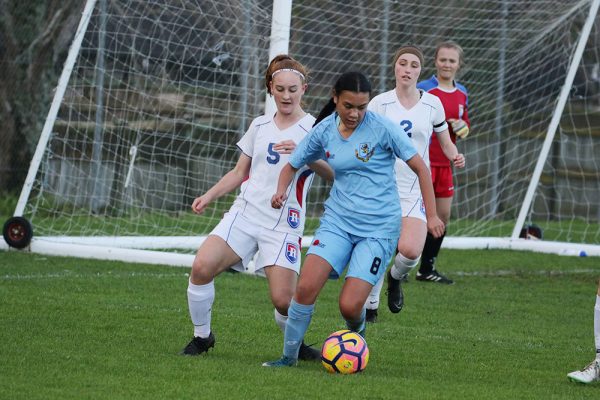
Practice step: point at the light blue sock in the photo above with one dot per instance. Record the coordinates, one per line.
(299, 316)
(359, 326)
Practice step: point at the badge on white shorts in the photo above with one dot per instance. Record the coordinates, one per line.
(291, 252)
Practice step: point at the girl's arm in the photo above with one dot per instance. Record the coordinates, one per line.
(323, 169)
(320, 167)
(285, 178)
(230, 181)
(435, 226)
(450, 150)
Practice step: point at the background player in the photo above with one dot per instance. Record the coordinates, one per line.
(418, 114)
(360, 226)
(454, 97)
(591, 372)
(251, 224)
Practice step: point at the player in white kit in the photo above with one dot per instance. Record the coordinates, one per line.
(252, 225)
(419, 114)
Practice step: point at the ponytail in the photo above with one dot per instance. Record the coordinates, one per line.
(326, 111)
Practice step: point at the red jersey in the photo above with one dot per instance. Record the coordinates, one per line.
(455, 103)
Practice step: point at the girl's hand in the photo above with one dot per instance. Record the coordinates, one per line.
(435, 226)
(459, 161)
(285, 147)
(200, 204)
(278, 200)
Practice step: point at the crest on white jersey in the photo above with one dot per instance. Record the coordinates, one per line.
(293, 217)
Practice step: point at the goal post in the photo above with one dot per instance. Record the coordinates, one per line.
(154, 96)
(58, 97)
(560, 106)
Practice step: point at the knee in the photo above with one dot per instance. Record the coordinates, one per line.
(281, 302)
(201, 274)
(305, 294)
(351, 310)
(445, 218)
(410, 253)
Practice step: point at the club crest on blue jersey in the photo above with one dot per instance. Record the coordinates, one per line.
(364, 152)
(293, 217)
(292, 252)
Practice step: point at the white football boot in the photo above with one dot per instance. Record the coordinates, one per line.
(589, 374)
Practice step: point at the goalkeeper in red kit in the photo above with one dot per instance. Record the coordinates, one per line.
(454, 97)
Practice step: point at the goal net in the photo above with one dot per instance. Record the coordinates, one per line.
(155, 97)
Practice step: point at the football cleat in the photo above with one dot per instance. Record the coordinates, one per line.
(394, 294)
(308, 353)
(371, 316)
(199, 345)
(589, 374)
(434, 276)
(282, 362)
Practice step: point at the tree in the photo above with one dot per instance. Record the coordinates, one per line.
(34, 38)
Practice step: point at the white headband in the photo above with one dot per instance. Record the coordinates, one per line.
(289, 70)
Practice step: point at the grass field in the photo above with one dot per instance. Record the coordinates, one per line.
(511, 328)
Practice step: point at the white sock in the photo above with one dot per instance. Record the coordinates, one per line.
(373, 299)
(402, 266)
(597, 327)
(200, 301)
(280, 320)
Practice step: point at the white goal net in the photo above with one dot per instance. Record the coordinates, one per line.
(160, 92)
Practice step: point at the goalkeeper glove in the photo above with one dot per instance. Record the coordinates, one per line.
(460, 128)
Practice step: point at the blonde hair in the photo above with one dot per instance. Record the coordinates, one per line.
(450, 44)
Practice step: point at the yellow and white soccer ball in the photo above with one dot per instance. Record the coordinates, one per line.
(345, 352)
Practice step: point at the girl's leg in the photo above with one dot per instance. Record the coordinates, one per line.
(313, 276)
(352, 299)
(282, 283)
(213, 257)
(432, 245)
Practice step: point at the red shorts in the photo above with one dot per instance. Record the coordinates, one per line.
(443, 186)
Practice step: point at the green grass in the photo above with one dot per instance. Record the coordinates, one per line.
(8, 201)
(511, 328)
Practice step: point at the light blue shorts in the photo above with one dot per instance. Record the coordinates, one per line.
(366, 258)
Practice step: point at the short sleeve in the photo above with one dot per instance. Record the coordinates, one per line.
(246, 143)
(310, 149)
(398, 142)
(439, 117)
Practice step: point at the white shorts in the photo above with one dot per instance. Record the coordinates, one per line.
(246, 239)
(414, 207)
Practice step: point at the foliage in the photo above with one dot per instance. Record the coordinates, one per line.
(34, 37)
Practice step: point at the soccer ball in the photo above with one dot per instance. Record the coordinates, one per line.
(344, 352)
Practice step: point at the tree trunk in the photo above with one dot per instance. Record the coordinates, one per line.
(34, 38)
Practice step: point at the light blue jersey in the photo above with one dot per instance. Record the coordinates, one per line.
(363, 200)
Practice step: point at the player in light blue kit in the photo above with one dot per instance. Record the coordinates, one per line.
(361, 223)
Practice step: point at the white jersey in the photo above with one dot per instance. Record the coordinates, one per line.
(254, 200)
(419, 122)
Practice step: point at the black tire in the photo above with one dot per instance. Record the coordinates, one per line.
(17, 232)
